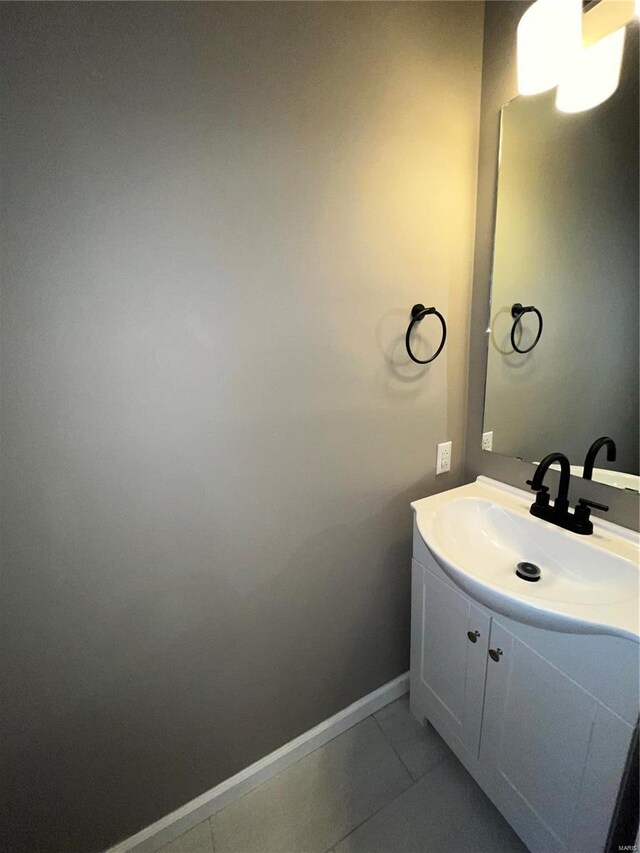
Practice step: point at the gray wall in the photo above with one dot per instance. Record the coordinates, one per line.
(499, 85)
(215, 219)
(567, 241)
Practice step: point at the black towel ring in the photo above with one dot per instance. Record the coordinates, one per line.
(517, 312)
(417, 313)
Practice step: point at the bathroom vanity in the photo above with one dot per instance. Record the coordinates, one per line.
(533, 685)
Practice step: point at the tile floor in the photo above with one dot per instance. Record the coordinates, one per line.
(387, 785)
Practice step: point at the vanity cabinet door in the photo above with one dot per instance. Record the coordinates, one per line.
(552, 754)
(453, 661)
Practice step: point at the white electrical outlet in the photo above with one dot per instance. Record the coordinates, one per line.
(443, 458)
(487, 440)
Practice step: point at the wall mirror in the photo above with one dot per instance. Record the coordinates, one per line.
(566, 245)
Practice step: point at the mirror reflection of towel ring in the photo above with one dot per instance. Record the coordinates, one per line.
(517, 312)
(418, 312)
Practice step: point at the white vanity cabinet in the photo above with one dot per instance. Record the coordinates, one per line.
(544, 733)
(456, 635)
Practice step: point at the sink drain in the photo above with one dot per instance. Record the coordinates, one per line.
(528, 572)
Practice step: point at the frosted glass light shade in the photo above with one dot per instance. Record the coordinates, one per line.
(593, 76)
(549, 36)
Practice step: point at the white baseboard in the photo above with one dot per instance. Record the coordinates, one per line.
(175, 824)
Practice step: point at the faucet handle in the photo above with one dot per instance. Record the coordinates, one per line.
(583, 502)
(582, 515)
(542, 494)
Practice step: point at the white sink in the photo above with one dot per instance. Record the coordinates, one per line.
(589, 584)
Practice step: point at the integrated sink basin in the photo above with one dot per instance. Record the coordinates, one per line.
(479, 533)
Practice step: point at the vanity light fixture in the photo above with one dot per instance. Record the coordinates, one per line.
(593, 76)
(579, 53)
(549, 35)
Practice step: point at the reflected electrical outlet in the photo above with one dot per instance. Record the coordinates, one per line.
(487, 440)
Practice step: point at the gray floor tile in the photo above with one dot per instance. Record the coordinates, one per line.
(196, 840)
(419, 747)
(316, 802)
(445, 812)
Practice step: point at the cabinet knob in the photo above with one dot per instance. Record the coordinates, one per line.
(473, 636)
(495, 654)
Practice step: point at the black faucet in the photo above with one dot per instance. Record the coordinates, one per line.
(592, 452)
(559, 514)
(561, 504)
